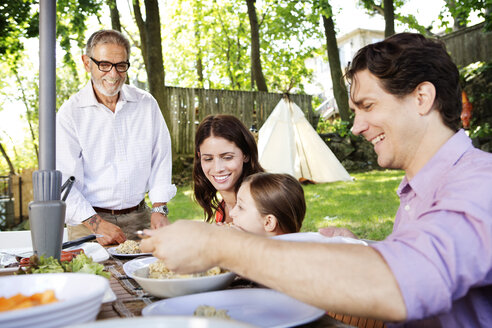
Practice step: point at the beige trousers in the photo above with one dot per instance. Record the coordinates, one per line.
(130, 223)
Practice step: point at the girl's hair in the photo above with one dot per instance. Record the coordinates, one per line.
(232, 129)
(280, 195)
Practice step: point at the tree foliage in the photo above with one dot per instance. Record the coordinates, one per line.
(461, 10)
(214, 43)
(17, 21)
(374, 7)
(204, 43)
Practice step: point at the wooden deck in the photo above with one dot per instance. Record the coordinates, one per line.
(357, 322)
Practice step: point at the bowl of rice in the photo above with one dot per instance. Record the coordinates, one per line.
(156, 279)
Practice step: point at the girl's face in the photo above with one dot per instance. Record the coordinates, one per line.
(245, 215)
(222, 162)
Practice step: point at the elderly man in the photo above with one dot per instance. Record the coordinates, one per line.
(113, 139)
(435, 269)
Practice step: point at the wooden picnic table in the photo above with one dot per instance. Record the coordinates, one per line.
(131, 299)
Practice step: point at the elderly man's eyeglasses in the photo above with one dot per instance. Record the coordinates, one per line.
(105, 66)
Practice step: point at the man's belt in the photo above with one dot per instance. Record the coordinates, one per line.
(118, 212)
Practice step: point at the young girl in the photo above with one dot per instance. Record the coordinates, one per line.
(269, 204)
(225, 153)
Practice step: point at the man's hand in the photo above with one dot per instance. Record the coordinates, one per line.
(184, 245)
(158, 220)
(335, 231)
(112, 233)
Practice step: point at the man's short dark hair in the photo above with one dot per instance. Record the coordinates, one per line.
(403, 61)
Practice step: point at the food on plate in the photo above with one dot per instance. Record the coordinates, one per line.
(80, 263)
(209, 311)
(20, 301)
(129, 247)
(65, 256)
(158, 270)
(14, 261)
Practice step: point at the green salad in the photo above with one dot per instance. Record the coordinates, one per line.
(80, 263)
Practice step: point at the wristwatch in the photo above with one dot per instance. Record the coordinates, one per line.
(161, 209)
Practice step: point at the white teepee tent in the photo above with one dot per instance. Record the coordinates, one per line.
(287, 143)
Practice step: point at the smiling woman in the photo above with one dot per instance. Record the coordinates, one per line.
(225, 153)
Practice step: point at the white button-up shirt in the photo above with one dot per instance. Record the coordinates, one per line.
(115, 157)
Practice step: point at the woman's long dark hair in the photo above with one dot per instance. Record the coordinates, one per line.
(232, 129)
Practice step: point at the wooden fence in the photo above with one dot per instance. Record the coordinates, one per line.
(189, 106)
(469, 45)
(23, 194)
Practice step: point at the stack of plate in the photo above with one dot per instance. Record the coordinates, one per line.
(79, 299)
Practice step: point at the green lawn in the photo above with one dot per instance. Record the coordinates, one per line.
(367, 206)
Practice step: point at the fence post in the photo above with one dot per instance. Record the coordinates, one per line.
(21, 218)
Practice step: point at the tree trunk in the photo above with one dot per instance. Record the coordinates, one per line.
(115, 15)
(389, 18)
(228, 54)
(255, 48)
(154, 57)
(339, 88)
(7, 158)
(28, 113)
(143, 34)
(199, 56)
(199, 69)
(115, 24)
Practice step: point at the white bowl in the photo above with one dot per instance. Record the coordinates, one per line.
(135, 264)
(79, 299)
(181, 286)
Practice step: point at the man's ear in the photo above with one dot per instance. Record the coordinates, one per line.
(87, 61)
(425, 94)
(270, 223)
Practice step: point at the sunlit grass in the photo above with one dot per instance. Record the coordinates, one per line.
(367, 206)
(183, 206)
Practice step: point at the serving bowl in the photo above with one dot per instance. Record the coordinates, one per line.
(79, 299)
(164, 288)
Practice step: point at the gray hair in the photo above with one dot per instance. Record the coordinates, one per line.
(107, 37)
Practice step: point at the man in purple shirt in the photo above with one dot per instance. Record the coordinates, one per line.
(435, 269)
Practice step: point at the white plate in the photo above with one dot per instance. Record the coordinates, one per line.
(94, 250)
(8, 270)
(112, 251)
(257, 306)
(18, 239)
(109, 295)
(316, 237)
(77, 303)
(165, 322)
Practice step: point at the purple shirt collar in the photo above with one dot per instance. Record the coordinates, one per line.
(437, 166)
